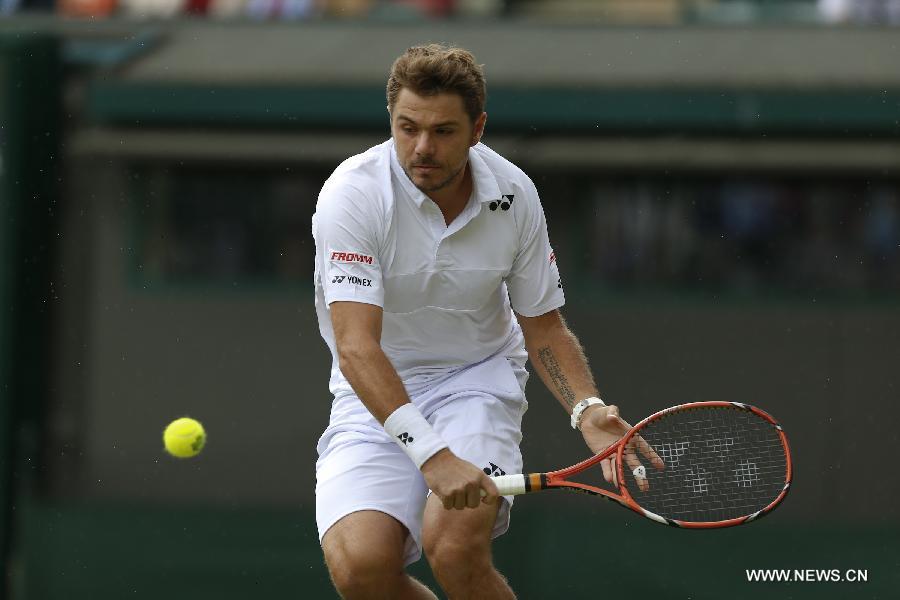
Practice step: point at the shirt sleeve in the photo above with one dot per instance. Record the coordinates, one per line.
(345, 229)
(534, 283)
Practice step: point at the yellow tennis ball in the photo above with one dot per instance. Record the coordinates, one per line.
(184, 437)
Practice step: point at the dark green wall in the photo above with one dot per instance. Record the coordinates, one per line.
(29, 134)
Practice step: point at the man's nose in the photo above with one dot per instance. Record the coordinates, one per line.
(425, 144)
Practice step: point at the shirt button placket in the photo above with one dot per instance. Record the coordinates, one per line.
(436, 217)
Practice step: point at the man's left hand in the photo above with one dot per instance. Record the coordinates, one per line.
(602, 427)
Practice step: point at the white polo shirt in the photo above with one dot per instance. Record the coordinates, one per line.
(447, 291)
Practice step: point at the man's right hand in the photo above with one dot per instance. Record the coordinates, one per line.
(456, 482)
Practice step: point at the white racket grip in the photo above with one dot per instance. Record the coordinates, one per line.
(510, 485)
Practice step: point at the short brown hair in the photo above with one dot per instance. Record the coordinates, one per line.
(435, 68)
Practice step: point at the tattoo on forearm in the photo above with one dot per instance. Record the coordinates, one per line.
(556, 375)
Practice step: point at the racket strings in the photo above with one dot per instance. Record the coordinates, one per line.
(721, 464)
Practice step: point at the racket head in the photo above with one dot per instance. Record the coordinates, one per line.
(726, 463)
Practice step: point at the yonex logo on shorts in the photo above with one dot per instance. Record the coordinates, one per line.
(351, 257)
(493, 470)
(406, 438)
(504, 202)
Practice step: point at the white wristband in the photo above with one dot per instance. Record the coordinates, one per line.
(579, 409)
(413, 433)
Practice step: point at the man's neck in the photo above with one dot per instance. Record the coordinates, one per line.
(453, 198)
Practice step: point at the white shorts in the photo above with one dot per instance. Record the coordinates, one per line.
(362, 468)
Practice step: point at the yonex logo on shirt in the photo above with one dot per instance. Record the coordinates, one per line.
(504, 202)
(350, 257)
(352, 279)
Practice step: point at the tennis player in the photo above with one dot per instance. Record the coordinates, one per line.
(434, 274)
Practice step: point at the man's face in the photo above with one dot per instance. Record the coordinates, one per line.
(432, 135)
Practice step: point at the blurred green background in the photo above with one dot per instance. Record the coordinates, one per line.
(722, 187)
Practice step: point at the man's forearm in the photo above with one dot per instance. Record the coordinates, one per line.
(374, 379)
(381, 390)
(559, 360)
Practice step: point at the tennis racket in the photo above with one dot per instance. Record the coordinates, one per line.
(722, 464)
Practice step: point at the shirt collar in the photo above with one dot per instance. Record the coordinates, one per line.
(485, 187)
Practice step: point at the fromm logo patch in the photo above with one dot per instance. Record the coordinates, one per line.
(351, 257)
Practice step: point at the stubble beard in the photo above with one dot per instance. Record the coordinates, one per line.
(438, 186)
